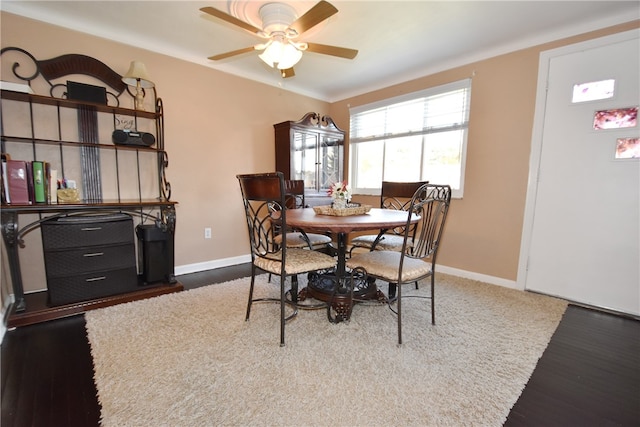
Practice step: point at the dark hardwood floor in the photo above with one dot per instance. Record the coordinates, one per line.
(47, 371)
(588, 376)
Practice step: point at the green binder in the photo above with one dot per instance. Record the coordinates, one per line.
(39, 182)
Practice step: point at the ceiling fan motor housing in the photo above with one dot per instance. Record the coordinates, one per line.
(277, 17)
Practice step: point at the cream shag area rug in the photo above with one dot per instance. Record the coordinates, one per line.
(190, 359)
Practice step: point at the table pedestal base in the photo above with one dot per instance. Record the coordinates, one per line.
(341, 293)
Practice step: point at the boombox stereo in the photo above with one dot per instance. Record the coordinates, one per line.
(136, 139)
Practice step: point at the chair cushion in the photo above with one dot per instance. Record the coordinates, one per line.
(388, 242)
(385, 264)
(298, 261)
(296, 240)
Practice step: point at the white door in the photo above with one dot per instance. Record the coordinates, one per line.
(581, 239)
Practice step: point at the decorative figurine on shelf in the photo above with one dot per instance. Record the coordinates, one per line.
(340, 192)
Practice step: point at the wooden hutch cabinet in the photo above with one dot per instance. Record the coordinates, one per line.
(95, 136)
(311, 149)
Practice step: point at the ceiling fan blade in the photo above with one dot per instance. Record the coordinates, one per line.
(342, 52)
(232, 53)
(231, 19)
(287, 73)
(318, 13)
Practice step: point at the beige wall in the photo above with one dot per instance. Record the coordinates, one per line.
(484, 228)
(218, 125)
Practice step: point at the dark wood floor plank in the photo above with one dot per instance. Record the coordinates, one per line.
(54, 373)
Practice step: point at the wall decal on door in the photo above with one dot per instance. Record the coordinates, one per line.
(628, 148)
(592, 91)
(615, 118)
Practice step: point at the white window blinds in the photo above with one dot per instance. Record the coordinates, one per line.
(437, 109)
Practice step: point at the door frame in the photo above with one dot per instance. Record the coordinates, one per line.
(537, 136)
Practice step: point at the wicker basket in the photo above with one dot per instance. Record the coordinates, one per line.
(355, 210)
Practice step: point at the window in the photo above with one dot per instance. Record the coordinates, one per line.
(593, 91)
(416, 137)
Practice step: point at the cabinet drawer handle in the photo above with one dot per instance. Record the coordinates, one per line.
(91, 228)
(95, 279)
(94, 254)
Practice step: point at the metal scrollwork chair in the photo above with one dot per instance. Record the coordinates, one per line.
(294, 199)
(263, 196)
(417, 258)
(394, 195)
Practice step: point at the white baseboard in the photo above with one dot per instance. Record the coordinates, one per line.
(492, 280)
(210, 265)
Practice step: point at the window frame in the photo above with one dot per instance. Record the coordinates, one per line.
(389, 102)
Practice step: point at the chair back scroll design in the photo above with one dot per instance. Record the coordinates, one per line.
(294, 193)
(262, 197)
(431, 203)
(295, 199)
(396, 196)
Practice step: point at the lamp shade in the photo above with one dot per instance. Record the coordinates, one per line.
(138, 72)
(281, 55)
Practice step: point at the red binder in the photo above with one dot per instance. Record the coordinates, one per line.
(18, 177)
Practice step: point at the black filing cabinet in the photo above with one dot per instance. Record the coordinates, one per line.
(88, 257)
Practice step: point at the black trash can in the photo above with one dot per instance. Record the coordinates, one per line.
(155, 254)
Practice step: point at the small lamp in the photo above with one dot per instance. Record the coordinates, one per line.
(137, 76)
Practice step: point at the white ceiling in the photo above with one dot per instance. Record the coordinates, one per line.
(397, 40)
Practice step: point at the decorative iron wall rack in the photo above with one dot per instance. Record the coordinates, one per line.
(50, 75)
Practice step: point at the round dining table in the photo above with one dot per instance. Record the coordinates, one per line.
(336, 287)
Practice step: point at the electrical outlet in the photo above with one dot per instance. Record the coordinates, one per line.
(207, 233)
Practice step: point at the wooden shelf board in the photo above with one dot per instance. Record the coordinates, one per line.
(70, 103)
(39, 311)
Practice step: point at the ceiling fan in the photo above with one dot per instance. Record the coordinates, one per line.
(281, 28)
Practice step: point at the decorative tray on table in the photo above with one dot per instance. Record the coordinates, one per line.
(350, 209)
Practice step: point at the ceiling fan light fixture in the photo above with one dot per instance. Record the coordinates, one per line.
(281, 26)
(281, 55)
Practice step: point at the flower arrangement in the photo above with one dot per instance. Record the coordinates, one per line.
(340, 190)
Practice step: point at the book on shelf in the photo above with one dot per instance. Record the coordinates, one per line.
(39, 179)
(5, 180)
(53, 185)
(30, 187)
(18, 178)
